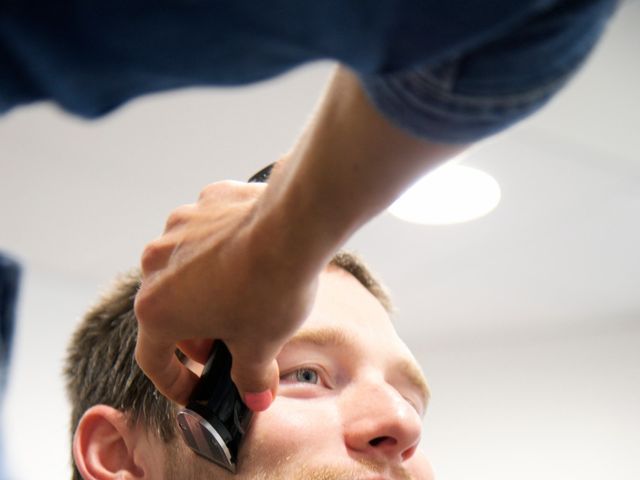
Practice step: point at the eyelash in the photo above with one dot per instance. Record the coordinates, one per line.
(317, 371)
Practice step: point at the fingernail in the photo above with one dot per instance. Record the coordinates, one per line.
(258, 402)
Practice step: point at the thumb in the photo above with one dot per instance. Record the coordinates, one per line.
(257, 383)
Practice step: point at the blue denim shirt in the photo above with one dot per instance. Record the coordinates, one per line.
(9, 277)
(452, 71)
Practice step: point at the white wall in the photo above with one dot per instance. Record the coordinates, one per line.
(36, 412)
(559, 407)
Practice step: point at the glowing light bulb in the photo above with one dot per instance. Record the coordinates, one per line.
(449, 194)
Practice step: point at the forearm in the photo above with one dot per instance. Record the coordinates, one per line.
(242, 263)
(348, 166)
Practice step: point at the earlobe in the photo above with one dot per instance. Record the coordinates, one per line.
(104, 446)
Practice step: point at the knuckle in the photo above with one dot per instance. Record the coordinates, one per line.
(156, 254)
(150, 307)
(207, 191)
(150, 256)
(174, 219)
(178, 216)
(143, 309)
(254, 190)
(214, 190)
(229, 184)
(228, 189)
(139, 358)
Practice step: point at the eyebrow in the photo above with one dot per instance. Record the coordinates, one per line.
(337, 338)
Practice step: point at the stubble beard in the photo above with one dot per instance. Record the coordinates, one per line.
(183, 464)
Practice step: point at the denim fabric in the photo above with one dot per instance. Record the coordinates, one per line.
(91, 56)
(484, 90)
(9, 277)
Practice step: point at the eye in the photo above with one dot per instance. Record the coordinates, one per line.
(302, 375)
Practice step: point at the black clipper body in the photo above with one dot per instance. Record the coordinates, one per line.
(215, 419)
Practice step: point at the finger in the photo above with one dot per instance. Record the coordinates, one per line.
(197, 350)
(257, 383)
(156, 254)
(179, 216)
(159, 362)
(229, 190)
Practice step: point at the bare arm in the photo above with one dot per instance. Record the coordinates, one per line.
(348, 166)
(241, 264)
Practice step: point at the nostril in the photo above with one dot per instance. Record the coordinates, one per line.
(376, 441)
(382, 441)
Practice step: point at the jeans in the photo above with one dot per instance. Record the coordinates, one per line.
(451, 71)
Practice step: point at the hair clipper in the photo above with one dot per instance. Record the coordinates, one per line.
(216, 419)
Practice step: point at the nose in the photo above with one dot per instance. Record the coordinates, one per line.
(380, 424)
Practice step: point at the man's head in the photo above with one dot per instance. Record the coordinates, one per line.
(349, 404)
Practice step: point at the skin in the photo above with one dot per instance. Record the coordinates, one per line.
(250, 257)
(342, 411)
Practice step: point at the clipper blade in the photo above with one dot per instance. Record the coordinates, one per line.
(203, 439)
(216, 419)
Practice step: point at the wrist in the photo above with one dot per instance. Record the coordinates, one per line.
(287, 231)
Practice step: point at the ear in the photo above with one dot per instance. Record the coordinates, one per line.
(105, 447)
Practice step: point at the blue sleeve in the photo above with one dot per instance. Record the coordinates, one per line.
(9, 276)
(481, 91)
(452, 70)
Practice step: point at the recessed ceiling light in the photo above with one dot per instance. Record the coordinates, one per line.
(449, 194)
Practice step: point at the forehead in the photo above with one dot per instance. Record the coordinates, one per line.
(348, 317)
(344, 305)
(343, 300)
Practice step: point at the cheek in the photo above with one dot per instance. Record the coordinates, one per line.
(297, 427)
(420, 466)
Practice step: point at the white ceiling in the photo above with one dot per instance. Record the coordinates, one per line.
(81, 198)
